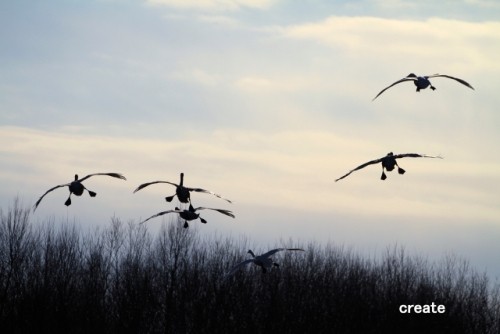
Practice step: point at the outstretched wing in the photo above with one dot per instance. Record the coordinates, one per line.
(238, 266)
(117, 175)
(225, 212)
(399, 81)
(274, 251)
(144, 185)
(160, 214)
(463, 82)
(359, 167)
(48, 191)
(208, 192)
(415, 155)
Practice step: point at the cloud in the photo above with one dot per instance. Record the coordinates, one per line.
(214, 5)
(271, 84)
(295, 168)
(489, 4)
(433, 39)
(219, 20)
(197, 76)
(395, 4)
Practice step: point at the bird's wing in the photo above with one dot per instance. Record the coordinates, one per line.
(361, 166)
(238, 266)
(399, 81)
(415, 155)
(160, 214)
(208, 192)
(117, 175)
(144, 185)
(48, 191)
(295, 249)
(274, 251)
(225, 212)
(463, 82)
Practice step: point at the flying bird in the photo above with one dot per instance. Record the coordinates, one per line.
(182, 192)
(76, 187)
(422, 82)
(389, 162)
(190, 214)
(264, 261)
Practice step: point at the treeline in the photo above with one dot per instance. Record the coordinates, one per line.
(122, 279)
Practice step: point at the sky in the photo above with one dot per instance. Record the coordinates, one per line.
(265, 102)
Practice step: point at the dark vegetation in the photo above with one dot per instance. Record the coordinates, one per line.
(122, 279)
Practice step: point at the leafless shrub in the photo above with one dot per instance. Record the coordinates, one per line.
(124, 279)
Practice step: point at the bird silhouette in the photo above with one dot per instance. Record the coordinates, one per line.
(388, 163)
(182, 192)
(422, 82)
(76, 187)
(264, 261)
(190, 214)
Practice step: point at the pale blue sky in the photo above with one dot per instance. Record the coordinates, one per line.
(266, 102)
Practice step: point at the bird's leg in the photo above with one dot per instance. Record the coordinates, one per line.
(186, 225)
(203, 220)
(400, 170)
(276, 265)
(418, 89)
(68, 201)
(383, 177)
(91, 193)
(433, 88)
(264, 270)
(169, 198)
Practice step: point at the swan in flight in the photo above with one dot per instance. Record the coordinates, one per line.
(76, 187)
(423, 82)
(264, 261)
(181, 191)
(389, 162)
(190, 214)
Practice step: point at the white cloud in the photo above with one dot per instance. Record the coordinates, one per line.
(396, 4)
(484, 3)
(271, 84)
(434, 39)
(211, 18)
(214, 5)
(219, 20)
(197, 76)
(295, 168)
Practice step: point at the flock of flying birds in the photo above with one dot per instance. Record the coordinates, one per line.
(183, 193)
